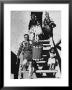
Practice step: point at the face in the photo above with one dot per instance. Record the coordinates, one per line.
(52, 54)
(26, 38)
(33, 17)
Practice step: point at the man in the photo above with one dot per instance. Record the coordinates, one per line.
(25, 56)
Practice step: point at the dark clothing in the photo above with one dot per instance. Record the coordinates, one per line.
(47, 30)
(33, 23)
(14, 67)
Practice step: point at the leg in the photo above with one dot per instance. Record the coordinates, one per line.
(30, 70)
(50, 66)
(24, 63)
(19, 73)
(22, 68)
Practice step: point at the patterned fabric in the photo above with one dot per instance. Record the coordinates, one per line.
(25, 51)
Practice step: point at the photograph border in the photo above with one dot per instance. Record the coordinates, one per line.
(2, 2)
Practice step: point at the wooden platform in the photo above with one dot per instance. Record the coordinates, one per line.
(46, 71)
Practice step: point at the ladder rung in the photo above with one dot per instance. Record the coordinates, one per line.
(44, 55)
(24, 71)
(46, 48)
(41, 62)
(44, 40)
(46, 71)
(42, 71)
(46, 45)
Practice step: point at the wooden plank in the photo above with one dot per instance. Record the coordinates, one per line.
(46, 71)
(41, 62)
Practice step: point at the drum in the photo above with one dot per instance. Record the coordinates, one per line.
(37, 51)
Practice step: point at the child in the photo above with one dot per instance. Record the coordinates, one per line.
(51, 60)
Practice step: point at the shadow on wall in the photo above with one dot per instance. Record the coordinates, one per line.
(14, 66)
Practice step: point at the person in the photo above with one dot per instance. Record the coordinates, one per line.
(33, 21)
(52, 60)
(34, 28)
(48, 26)
(25, 56)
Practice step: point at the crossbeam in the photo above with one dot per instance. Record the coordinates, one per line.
(46, 71)
(41, 62)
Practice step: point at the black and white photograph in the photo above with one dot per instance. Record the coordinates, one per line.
(36, 49)
(35, 44)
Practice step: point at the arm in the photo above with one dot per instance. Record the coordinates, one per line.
(19, 50)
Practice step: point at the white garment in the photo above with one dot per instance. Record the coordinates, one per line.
(34, 32)
(36, 29)
(51, 61)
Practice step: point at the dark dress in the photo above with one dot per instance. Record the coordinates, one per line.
(47, 30)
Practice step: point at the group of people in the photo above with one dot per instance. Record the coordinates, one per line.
(36, 32)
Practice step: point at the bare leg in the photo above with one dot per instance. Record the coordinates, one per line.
(22, 69)
(19, 73)
(30, 70)
(50, 66)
